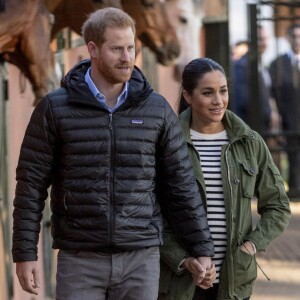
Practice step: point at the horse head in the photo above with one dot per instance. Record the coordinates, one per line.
(153, 28)
(185, 16)
(152, 25)
(25, 42)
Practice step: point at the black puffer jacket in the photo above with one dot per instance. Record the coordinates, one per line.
(105, 170)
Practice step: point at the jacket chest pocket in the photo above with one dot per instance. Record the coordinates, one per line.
(248, 174)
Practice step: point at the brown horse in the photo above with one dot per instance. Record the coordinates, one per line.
(25, 27)
(152, 25)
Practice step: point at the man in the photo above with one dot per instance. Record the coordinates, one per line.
(285, 72)
(239, 49)
(115, 157)
(241, 102)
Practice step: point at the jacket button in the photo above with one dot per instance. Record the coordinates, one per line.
(236, 181)
(252, 170)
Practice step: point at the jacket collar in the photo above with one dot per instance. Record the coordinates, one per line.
(235, 127)
(79, 92)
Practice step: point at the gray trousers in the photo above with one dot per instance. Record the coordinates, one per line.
(132, 275)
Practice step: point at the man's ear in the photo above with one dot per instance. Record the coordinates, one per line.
(93, 49)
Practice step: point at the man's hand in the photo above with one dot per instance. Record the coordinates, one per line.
(28, 275)
(209, 278)
(206, 264)
(198, 268)
(195, 268)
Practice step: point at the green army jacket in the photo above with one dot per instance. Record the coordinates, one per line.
(248, 173)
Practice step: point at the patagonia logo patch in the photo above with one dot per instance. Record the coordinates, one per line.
(137, 122)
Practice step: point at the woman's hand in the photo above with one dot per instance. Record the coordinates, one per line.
(248, 248)
(201, 277)
(209, 278)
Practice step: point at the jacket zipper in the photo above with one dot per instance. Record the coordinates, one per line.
(230, 285)
(200, 181)
(64, 202)
(111, 178)
(229, 181)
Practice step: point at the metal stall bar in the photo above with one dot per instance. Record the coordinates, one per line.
(5, 243)
(255, 109)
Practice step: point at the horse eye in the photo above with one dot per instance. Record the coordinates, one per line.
(183, 20)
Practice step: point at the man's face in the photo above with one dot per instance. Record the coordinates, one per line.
(115, 58)
(262, 40)
(295, 40)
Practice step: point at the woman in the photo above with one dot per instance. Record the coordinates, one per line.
(233, 167)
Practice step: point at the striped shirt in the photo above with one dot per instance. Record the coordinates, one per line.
(209, 148)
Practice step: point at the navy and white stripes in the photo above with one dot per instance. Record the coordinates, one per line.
(209, 148)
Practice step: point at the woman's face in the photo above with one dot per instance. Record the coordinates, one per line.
(209, 99)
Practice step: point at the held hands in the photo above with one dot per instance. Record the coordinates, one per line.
(28, 275)
(209, 278)
(202, 270)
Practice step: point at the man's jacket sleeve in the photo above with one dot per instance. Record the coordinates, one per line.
(180, 198)
(33, 177)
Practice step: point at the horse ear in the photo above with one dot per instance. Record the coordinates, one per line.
(198, 7)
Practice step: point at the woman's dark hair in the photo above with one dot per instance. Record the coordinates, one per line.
(191, 75)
